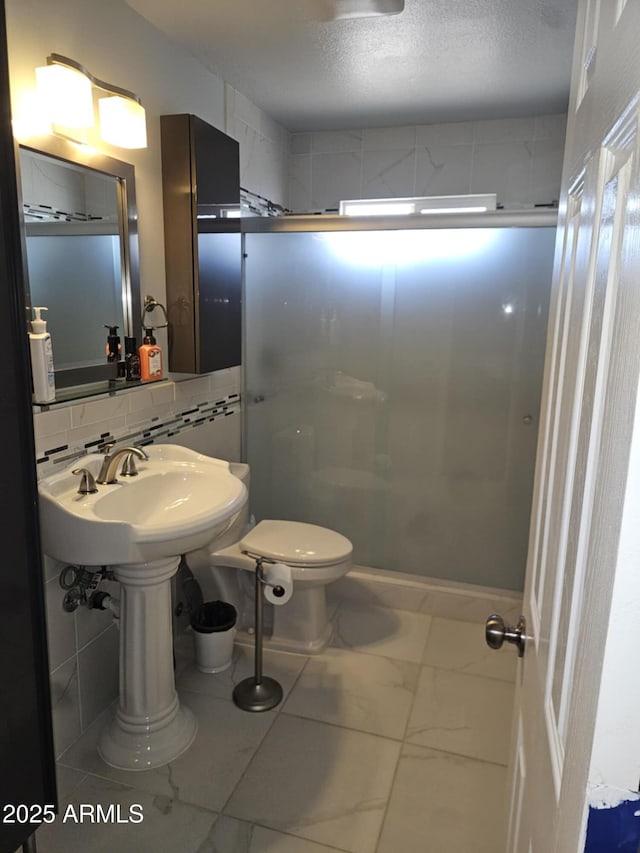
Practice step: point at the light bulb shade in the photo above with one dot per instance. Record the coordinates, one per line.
(66, 96)
(122, 122)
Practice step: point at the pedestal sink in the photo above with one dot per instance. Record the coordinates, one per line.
(139, 526)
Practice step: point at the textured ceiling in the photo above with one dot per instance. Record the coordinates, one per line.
(439, 60)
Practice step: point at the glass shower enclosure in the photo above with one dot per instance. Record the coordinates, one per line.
(392, 384)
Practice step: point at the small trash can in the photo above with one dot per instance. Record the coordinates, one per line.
(213, 624)
(214, 630)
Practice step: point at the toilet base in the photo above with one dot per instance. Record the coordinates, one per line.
(302, 623)
(285, 644)
(300, 626)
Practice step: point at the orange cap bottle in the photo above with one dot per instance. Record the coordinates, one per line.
(150, 357)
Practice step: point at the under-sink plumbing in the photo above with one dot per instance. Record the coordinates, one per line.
(81, 585)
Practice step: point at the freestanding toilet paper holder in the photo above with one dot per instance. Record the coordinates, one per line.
(259, 692)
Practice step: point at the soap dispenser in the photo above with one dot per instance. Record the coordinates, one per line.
(113, 348)
(44, 387)
(113, 352)
(150, 357)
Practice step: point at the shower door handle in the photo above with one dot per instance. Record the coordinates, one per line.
(496, 632)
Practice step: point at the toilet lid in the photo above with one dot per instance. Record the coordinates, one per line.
(297, 544)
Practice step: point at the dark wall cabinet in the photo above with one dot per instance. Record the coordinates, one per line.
(201, 196)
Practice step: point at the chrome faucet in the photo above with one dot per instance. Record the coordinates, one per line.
(109, 467)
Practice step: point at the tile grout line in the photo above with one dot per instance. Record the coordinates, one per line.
(283, 832)
(74, 788)
(403, 739)
(344, 728)
(318, 722)
(447, 752)
(60, 759)
(441, 749)
(278, 711)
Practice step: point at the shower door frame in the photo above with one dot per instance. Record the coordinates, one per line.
(532, 218)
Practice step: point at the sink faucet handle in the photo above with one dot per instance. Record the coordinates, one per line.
(87, 483)
(107, 446)
(129, 466)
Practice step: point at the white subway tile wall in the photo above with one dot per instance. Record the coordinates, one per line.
(98, 671)
(518, 159)
(143, 415)
(65, 705)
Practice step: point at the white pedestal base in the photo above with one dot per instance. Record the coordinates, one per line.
(149, 728)
(141, 750)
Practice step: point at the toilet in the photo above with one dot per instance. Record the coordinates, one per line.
(315, 555)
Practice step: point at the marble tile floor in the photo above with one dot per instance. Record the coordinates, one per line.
(394, 740)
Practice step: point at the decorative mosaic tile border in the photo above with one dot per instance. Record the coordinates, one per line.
(159, 427)
(146, 414)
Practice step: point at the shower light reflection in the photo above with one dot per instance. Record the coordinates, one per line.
(401, 248)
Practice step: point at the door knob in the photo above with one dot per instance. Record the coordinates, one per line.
(496, 632)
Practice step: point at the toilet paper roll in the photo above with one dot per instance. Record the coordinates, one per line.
(280, 576)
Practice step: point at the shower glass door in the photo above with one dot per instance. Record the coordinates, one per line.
(393, 385)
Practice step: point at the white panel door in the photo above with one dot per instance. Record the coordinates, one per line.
(589, 420)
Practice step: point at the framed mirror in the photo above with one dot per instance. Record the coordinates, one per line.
(81, 257)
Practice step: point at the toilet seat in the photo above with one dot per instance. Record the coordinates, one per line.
(299, 545)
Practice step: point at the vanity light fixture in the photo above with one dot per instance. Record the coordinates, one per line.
(425, 205)
(66, 91)
(123, 121)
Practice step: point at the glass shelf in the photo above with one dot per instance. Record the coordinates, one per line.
(109, 387)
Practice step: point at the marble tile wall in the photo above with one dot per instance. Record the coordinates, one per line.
(518, 159)
(203, 414)
(264, 147)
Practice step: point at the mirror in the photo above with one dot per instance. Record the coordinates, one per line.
(81, 258)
